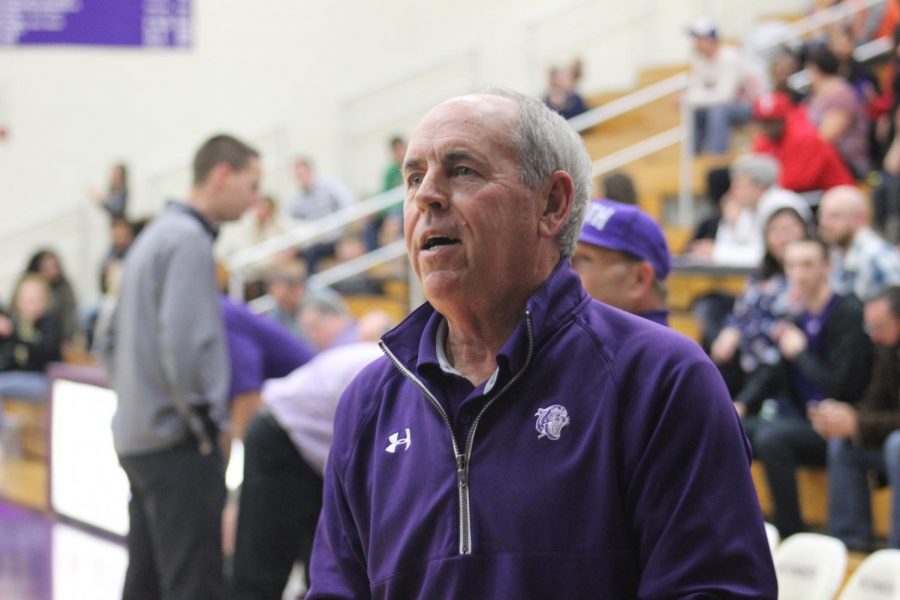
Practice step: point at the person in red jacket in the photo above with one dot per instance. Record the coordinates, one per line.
(808, 162)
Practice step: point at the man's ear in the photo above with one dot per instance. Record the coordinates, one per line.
(645, 277)
(557, 204)
(219, 174)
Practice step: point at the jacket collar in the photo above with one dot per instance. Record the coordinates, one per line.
(555, 302)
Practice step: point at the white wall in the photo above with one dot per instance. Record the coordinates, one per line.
(293, 77)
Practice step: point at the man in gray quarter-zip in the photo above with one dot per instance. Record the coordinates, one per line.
(167, 360)
(518, 439)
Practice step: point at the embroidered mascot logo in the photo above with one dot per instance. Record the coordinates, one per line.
(551, 420)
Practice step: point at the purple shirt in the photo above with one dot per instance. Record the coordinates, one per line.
(258, 348)
(606, 462)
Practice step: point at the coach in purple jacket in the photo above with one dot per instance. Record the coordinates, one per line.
(520, 440)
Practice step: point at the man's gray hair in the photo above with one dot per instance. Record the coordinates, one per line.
(546, 143)
(762, 169)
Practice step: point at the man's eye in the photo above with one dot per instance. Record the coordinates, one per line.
(414, 179)
(461, 170)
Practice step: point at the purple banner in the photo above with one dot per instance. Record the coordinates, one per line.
(141, 23)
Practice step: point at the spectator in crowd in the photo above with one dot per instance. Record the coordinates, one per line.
(327, 321)
(715, 89)
(30, 339)
(836, 111)
(391, 216)
(350, 247)
(256, 226)
(865, 437)
(121, 232)
(862, 262)
(824, 353)
(284, 460)
(886, 196)
(47, 264)
(115, 200)
(784, 64)
(511, 348)
(753, 195)
(318, 196)
(287, 288)
(167, 359)
(745, 343)
(623, 260)
(857, 74)
(718, 180)
(562, 94)
(808, 162)
(619, 187)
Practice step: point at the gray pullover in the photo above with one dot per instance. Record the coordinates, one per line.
(165, 353)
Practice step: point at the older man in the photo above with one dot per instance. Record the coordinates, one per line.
(520, 440)
(623, 260)
(866, 437)
(863, 263)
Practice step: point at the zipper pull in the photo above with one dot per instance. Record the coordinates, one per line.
(462, 473)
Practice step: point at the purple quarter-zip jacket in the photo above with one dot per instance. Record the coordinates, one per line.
(606, 462)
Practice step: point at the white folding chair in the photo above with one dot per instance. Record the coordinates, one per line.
(810, 566)
(773, 536)
(876, 578)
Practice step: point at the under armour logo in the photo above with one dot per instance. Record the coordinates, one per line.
(395, 440)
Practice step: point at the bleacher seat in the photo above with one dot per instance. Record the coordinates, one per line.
(773, 536)
(810, 566)
(877, 578)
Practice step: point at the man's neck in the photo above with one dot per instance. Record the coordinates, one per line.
(817, 302)
(200, 202)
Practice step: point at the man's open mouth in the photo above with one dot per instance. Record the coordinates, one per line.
(438, 240)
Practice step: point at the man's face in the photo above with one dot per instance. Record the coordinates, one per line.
(471, 225)
(772, 128)
(881, 324)
(303, 174)
(837, 221)
(607, 275)
(238, 191)
(746, 191)
(287, 294)
(806, 269)
(706, 46)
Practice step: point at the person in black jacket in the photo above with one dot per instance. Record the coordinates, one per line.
(866, 437)
(825, 353)
(30, 339)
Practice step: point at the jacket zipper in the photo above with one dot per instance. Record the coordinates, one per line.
(463, 459)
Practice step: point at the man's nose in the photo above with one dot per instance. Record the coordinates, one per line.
(432, 193)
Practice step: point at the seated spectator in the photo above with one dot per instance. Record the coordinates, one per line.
(327, 321)
(718, 180)
(256, 226)
(619, 187)
(391, 216)
(784, 64)
(823, 353)
(351, 247)
(860, 77)
(886, 195)
(562, 95)
(751, 198)
(30, 339)
(623, 260)
(287, 288)
(745, 343)
(866, 437)
(115, 200)
(317, 197)
(285, 450)
(808, 162)
(836, 111)
(47, 264)
(715, 89)
(862, 262)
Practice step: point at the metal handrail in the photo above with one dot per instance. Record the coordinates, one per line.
(361, 264)
(304, 234)
(629, 102)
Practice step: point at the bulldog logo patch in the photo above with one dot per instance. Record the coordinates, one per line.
(551, 420)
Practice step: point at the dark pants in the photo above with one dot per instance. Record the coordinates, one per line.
(175, 538)
(783, 444)
(281, 498)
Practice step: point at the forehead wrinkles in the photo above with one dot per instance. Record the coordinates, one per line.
(483, 126)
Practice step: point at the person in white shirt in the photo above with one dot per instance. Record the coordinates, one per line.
(715, 89)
